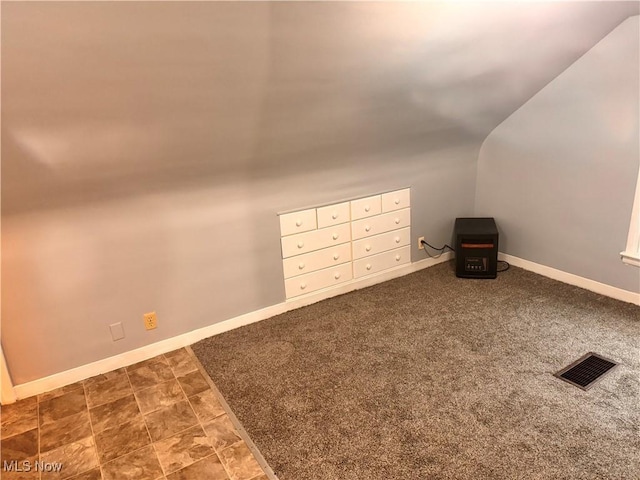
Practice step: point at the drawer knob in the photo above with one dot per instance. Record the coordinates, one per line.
(335, 236)
(301, 266)
(368, 266)
(337, 275)
(397, 201)
(368, 248)
(336, 256)
(397, 221)
(298, 223)
(397, 239)
(300, 244)
(303, 286)
(334, 216)
(367, 208)
(367, 228)
(397, 257)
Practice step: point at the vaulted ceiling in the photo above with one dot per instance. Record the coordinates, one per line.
(99, 94)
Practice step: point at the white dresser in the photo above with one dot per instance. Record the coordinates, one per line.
(329, 245)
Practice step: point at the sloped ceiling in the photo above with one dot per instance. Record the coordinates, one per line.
(103, 99)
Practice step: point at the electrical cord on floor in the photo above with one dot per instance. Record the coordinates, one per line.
(505, 268)
(441, 250)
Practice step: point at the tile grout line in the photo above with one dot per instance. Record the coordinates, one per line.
(108, 401)
(199, 422)
(197, 418)
(268, 471)
(93, 433)
(128, 453)
(38, 427)
(215, 452)
(100, 464)
(95, 442)
(38, 401)
(187, 399)
(257, 476)
(164, 474)
(224, 466)
(175, 378)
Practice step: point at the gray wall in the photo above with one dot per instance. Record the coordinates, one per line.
(144, 162)
(147, 146)
(560, 173)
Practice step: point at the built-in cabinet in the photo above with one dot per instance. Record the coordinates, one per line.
(328, 245)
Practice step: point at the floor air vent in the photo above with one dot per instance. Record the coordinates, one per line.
(586, 371)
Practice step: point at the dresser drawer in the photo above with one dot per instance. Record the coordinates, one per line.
(380, 224)
(366, 207)
(396, 200)
(317, 260)
(381, 243)
(333, 215)
(310, 241)
(382, 261)
(317, 280)
(297, 222)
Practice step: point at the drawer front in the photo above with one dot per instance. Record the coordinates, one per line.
(381, 243)
(297, 222)
(366, 207)
(382, 261)
(310, 241)
(333, 215)
(396, 200)
(380, 224)
(310, 262)
(317, 280)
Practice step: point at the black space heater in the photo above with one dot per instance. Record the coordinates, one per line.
(476, 242)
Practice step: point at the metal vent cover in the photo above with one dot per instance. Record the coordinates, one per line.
(586, 371)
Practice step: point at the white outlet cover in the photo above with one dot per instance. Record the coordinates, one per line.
(117, 332)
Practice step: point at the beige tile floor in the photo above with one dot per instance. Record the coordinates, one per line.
(157, 419)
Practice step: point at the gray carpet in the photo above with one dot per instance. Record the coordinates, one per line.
(433, 377)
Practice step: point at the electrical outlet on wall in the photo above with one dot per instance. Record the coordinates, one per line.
(150, 320)
(420, 245)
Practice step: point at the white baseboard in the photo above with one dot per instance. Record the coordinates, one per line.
(571, 279)
(83, 372)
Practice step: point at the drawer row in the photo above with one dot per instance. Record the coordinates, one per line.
(318, 218)
(360, 229)
(343, 272)
(345, 252)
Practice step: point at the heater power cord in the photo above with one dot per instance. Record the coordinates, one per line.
(504, 269)
(441, 250)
